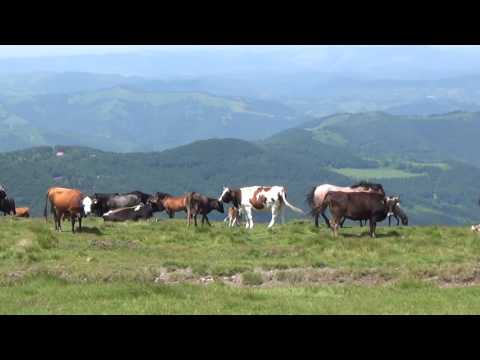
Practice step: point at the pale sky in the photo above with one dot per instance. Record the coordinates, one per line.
(9, 51)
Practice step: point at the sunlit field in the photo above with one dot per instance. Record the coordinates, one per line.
(166, 268)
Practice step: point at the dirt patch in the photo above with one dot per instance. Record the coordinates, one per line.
(114, 244)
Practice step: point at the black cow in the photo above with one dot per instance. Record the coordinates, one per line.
(3, 192)
(201, 204)
(134, 213)
(358, 206)
(143, 196)
(7, 206)
(103, 203)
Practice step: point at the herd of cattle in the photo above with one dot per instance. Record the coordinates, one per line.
(360, 202)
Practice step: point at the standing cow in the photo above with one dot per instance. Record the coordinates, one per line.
(3, 192)
(260, 198)
(201, 204)
(67, 202)
(358, 206)
(316, 196)
(7, 206)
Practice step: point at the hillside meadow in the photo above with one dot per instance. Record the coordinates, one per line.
(163, 267)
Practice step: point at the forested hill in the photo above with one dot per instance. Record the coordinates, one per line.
(432, 193)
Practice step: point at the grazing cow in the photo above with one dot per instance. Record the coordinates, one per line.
(233, 217)
(103, 203)
(67, 203)
(398, 213)
(23, 212)
(7, 206)
(171, 204)
(201, 204)
(316, 196)
(134, 213)
(261, 198)
(358, 206)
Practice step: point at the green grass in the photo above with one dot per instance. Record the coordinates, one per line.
(165, 267)
(377, 173)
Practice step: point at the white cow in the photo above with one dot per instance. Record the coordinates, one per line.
(261, 198)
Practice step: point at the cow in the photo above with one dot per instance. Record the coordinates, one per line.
(103, 203)
(67, 202)
(398, 214)
(260, 198)
(475, 228)
(144, 197)
(7, 206)
(358, 206)
(3, 192)
(171, 204)
(233, 217)
(134, 213)
(201, 204)
(317, 195)
(23, 212)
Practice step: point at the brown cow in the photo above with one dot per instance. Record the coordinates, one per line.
(358, 206)
(171, 204)
(67, 202)
(22, 212)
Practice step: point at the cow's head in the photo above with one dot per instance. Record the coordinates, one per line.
(226, 196)
(391, 202)
(87, 205)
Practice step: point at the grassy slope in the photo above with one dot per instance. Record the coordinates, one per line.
(162, 267)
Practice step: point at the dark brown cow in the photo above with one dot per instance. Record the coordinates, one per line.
(67, 202)
(201, 204)
(358, 206)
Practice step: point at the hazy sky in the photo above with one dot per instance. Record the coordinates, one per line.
(8, 51)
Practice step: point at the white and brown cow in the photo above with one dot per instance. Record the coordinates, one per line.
(260, 198)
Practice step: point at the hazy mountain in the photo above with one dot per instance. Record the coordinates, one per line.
(126, 119)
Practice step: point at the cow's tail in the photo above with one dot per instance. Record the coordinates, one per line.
(310, 200)
(284, 198)
(45, 214)
(320, 209)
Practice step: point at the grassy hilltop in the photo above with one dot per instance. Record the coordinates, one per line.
(165, 268)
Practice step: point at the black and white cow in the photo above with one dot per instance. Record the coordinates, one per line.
(103, 203)
(135, 213)
(260, 198)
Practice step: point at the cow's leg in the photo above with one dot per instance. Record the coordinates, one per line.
(248, 213)
(326, 219)
(282, 214)
(334, 226)
(389, 219)
(72, 219)
(372, 228)
(80, 223)
(208, 221)
(342, 222)
(398, 220)
(316, 219)
(274, 216)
